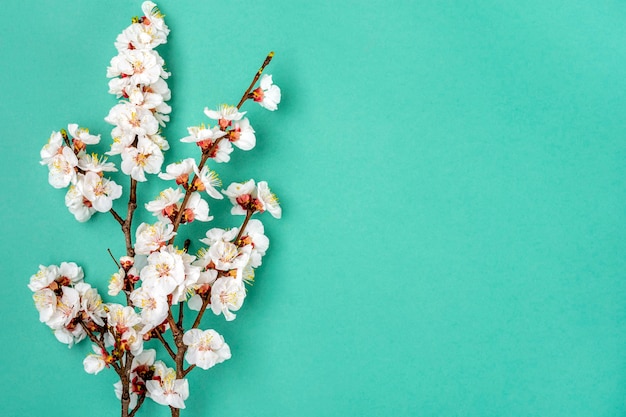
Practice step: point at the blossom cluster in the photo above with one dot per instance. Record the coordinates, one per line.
(138, 76)
(156, 277)
(69, 165)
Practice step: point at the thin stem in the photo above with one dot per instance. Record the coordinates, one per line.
(249, 214)
(126, 383)
(181, 210)
(126, 227)
(117, 217)
(175, 411)
(66, 139)
(207, 153)
(205, 303)
(181, 313)
(175, 329)
(139, 403)
(113, 257)
(100, 344)
(186, 371)
(165, 344)
(255, 79)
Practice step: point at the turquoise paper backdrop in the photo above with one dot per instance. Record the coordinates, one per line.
(452, 180)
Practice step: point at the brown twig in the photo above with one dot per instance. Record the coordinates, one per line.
(165, 344)
(100, 344)
(126, 227)
(205, 303)
(113, 257)
(126, 383)
(249, 214)
(181, 313)
(140, 401)
(186, 371)
(255, 79)
(117, 217)
(206, 154)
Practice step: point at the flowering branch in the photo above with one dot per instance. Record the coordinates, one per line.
(247, 95)
(213, 278)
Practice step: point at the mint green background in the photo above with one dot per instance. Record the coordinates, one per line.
(452, 179)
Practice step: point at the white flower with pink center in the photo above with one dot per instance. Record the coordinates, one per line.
(66, 309)
(207, 180)
(62, 168)
(99, 191)
(141, 66)
(255, 236)
(76, 202)
(269, 200)
(45, 303)
(43, 278)
(146, 157)
(154, 307)
(179, 171)
(268, 94)
(153, 17)
(81, 136)
(140, 36)
(225, 115)
(52, 148)
(116, 282)
(142, 97)
(165, 389)
(164, 272)
(203, 135)
(151, 237)
(91, 302)
(122, 319)
(227, 295)
(95, 362)
(205, 348)
(96, 163)
(242, 135)
(227, 255)
(165, 206)
(197, 209)
(133, 120)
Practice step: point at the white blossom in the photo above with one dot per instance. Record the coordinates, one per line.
(225, 114)
(100, 191)
(146, 157)
(205, 348)
(165, 389)
(241, 196)
(151, 237)
(208, 181)
(255, 236)
(227, 295)
(62, 168)
(242, 135)
(268, 94)
(95, 362)
(82, 135)
(116, 282)
(179, 171)
(153, 305)
(164, 272)
(269, 200)
(77, 204)
(166, 204)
